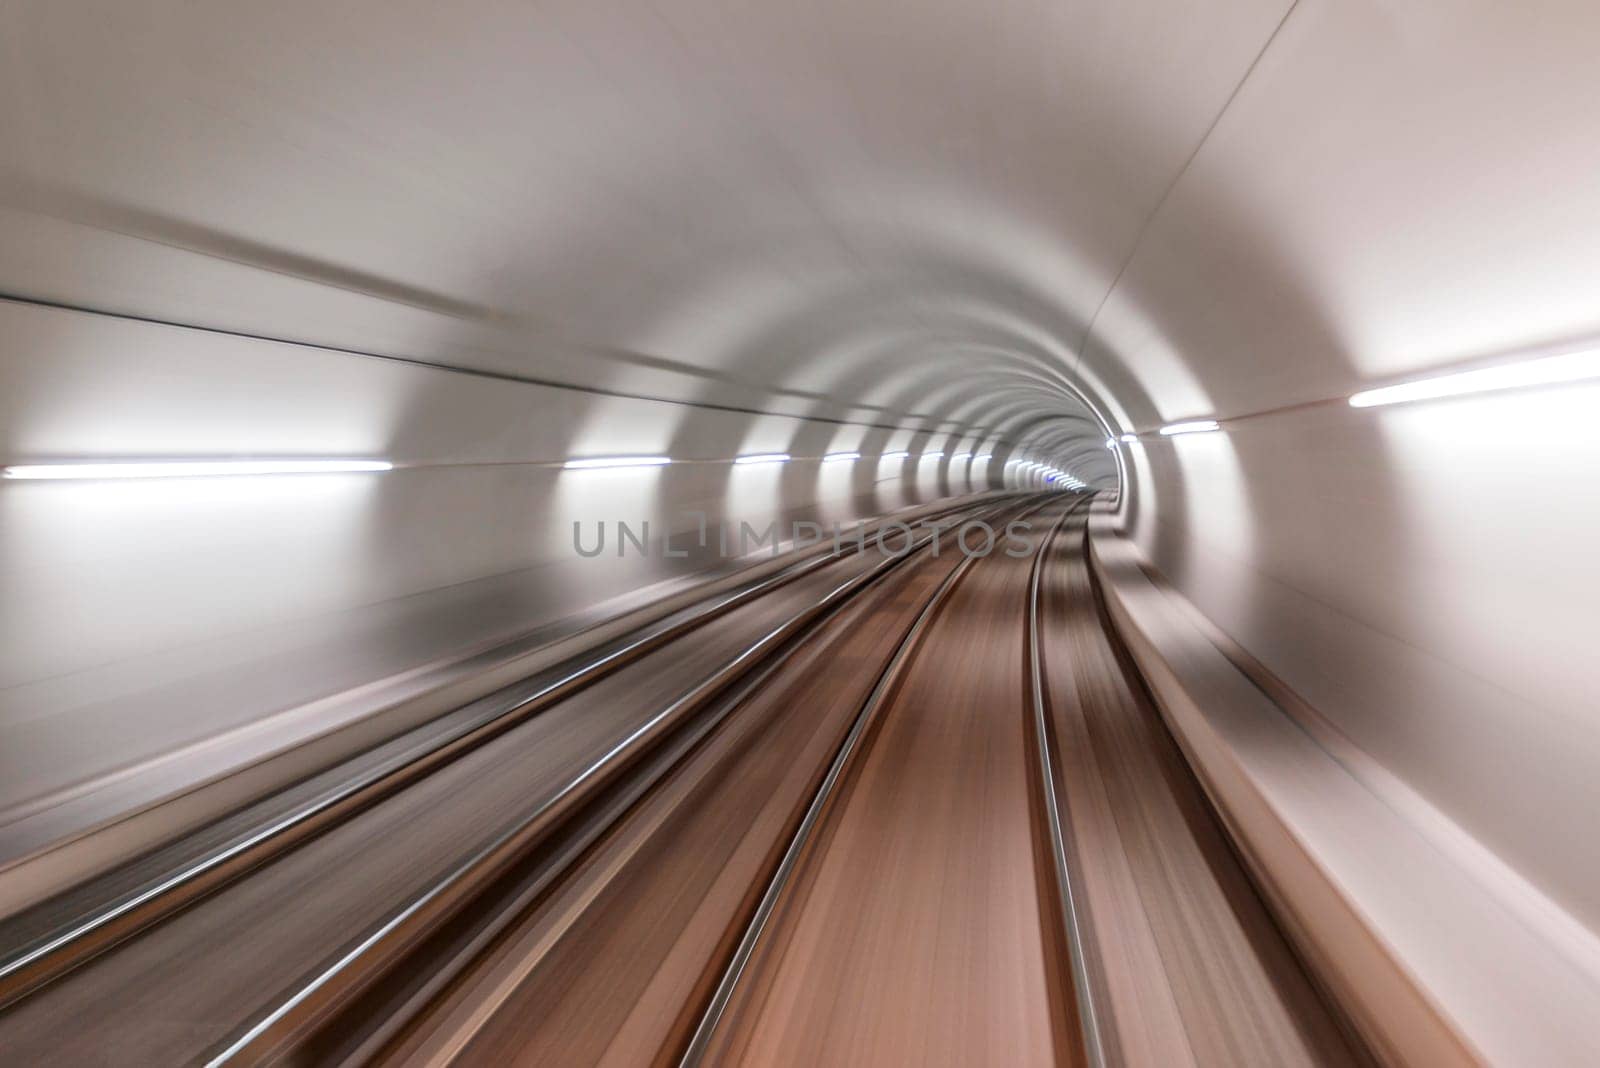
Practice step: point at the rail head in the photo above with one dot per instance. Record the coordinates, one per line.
(1094, 1044)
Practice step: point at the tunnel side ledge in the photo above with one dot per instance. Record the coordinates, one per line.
(1395, 931)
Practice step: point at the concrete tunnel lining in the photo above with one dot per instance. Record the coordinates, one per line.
(1016, 226)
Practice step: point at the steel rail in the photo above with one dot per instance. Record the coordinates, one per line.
(1094, 1045)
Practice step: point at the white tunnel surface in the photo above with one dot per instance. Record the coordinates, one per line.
(704, 230)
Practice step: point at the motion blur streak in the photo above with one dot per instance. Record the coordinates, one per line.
(191, 469)
(836, 533)
(1552, 370)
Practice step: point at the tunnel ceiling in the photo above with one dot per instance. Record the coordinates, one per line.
(950, 216)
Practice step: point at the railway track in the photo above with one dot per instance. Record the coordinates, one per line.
(589, 977)
(241, 954)
(60, 933)
(866, 811)
(916, 889)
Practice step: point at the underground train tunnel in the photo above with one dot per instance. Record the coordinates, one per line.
(620, 532)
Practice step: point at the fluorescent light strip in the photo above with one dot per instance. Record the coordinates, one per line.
(1130, 437)
(932, 455)
(592, 462)
(835, 457)
(190, 468)
(894, 455)
(763, 458)
(1550, 370)
(1194, 426)
(960, 456)
(981, 457)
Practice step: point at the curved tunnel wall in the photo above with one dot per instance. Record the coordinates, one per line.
(1248, 217)
(237, 597)
(1391, 195)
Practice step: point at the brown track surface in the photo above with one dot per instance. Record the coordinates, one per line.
(914, 932)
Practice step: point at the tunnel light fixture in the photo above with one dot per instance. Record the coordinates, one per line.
(901, 455)
(593, 462)
(1111, 443)
(981, 457)
(932, 455)
(836, 457)
(189, 468)
(1547, 371)
(763, 458)
(958, 457)
(1193, 426)
(1128, 438)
